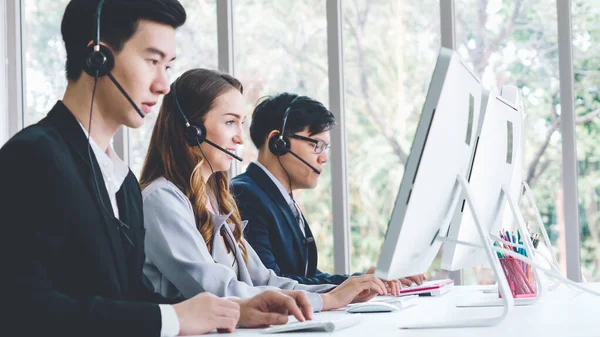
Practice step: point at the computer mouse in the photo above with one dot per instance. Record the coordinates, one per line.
(372, 307)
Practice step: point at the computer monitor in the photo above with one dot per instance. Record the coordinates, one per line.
(512, 95)
(441, 150)
(494, 161)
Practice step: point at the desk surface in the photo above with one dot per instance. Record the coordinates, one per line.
(562, 312)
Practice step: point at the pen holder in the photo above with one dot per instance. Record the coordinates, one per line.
(520, 277)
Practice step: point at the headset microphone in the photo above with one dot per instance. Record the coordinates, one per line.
(195, 132)
(100, 61)
(223, 150)
(122, 90)
(279, 144)
(304, 161)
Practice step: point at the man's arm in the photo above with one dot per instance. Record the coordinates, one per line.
(28, 241)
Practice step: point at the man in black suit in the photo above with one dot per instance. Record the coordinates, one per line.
(73, 236)
(277, 229)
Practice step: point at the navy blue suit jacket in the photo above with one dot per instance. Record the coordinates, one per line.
(273, 231)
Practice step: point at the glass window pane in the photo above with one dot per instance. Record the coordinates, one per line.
(43, 57)
(4, 117)
(515, 43)
(196, 48)
(390, 49)
(281, 46)
(586, 46)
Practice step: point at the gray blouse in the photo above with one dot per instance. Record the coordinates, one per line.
(178, 262)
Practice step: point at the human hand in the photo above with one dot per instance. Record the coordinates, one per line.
(392, 287)
(354, 289)
(408, 281)
(273, 308)
(206, 312)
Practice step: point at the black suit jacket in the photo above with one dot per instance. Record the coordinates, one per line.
(66, 270)
(273, 231)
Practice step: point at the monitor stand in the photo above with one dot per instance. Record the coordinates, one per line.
(540, 224)
(507, 299)
(488, 301)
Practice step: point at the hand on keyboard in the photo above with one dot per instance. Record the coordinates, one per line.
(410, 280)
(394, 287)
(355, 289)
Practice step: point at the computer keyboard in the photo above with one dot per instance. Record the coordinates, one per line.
(316, 325)
(432, 288)
(401, 301)
(384, 304)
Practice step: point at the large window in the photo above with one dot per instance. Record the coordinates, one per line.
(515, 43)
(390, 49)
(281, 46)
(586, 48)
(43, 57)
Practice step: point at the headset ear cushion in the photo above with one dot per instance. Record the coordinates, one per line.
(195, 133)
(102, 61)
(279, 146)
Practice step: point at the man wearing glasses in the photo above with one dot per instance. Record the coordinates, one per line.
(291, 155)
(291, 134)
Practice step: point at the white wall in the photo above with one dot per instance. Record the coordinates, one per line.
(3, 76)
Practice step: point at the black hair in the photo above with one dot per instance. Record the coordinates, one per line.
(119, 22)
(304, 112)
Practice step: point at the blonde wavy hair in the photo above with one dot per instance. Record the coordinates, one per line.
(170, 156)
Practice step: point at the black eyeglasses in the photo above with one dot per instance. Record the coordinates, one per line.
(320, 145)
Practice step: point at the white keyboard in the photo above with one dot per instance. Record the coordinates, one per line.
(316, 325)
(433, 288)
(384, 304)
(399, 301)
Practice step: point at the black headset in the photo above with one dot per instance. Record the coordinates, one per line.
(100, 61)
(194, 132)
(279, 144)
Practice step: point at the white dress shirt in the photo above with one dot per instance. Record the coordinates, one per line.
(292, 203)
(114, 171)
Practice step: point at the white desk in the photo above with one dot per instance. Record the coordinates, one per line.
(562, 312)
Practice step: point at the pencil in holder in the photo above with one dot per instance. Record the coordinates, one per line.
(520, 277)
